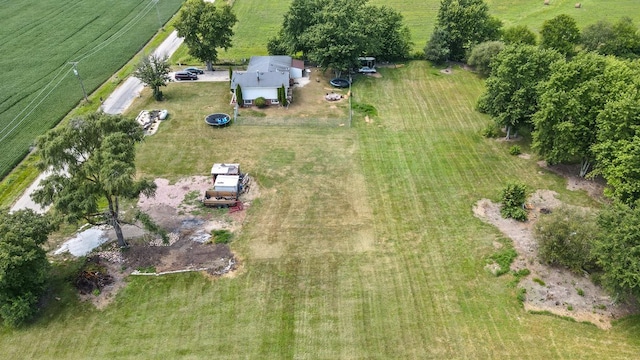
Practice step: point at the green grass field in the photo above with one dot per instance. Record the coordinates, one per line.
(38, 39)
(261, 20)
(362, 244)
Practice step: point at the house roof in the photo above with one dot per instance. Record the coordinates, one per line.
(252, 79)
(269, 63)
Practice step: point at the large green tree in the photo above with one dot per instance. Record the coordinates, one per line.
(92, 160)
(617, 149)
(570, 101)
(620, 39)
(153, 71)
(482, 56)
(519, 34)
(23, 263)
(511, 97)
(560, 33)
(334, 33)
(205, 27)
(465, 23)
(617, 251)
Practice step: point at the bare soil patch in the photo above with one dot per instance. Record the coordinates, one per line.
(594, 187)
(177, 209)
(551, 289)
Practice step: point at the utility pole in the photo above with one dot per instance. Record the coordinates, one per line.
(77, 74)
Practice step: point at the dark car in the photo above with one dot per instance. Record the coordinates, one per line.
(194, 70)
(185, 75)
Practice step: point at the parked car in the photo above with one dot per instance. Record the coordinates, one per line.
(194, 70)
(366, 70)
(185, 75)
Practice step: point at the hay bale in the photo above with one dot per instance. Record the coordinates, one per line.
(546, 2)
(578, 5)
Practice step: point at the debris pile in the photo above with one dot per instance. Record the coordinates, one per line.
(93, 277)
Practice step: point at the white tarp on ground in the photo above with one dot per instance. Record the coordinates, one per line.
(84, 242)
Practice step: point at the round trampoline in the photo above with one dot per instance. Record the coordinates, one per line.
(218, 119)
(339, 83)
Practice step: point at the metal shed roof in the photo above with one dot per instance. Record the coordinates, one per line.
(225, 169)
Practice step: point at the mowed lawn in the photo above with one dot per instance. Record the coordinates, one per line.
(362, 244)
(39, 39)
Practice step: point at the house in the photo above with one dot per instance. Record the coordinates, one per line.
(264, 76)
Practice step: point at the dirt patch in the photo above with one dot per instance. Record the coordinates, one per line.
(594, 187)
(177, 209)
(551, 289)
(447, 71)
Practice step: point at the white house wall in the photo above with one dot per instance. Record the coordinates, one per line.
(254, 93)
(295, 73)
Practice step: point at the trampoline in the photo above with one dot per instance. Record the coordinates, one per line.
(218, 120)
(339, 83)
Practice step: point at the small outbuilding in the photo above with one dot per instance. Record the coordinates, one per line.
(224, 169)
(227, 183)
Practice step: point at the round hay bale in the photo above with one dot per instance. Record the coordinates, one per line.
(578, 5)
(546, 2)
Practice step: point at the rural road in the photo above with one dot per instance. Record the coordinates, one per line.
(121, 98)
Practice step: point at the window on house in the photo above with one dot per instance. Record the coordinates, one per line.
(248, 102)
(275, 101)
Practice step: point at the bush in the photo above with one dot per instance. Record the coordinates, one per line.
(260, 102)
(504, 258)
(513, 198)
(515, 150)
(221, 236)
(565, 237)
(491, 131)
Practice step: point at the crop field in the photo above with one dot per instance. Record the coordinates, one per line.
(362, 244)
(39, 39)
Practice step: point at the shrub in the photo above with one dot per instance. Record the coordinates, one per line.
(565, 237)
(221, 236)
(539, 281)
(580, 291)
(515, 150)
(491, 131)
(513, 198)
(504, 258)
(521, 295)
(260, 102)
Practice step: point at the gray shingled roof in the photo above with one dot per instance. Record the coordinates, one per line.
(269, 63)
(250, 79)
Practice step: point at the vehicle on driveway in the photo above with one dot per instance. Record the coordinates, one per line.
(194, 70)
(185, 75)
(366, 70)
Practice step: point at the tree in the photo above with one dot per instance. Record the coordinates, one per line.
(297, 20)
(565, 237)
(335, 33)
(466, 23)
(560, 33)
(617, 149)
(519, 34)
(511, 97)
(617, 249)
(23, 263)
(437, 49)
(205, 27)
(389, 38)
(338, 37)
(482, 55)
(620, 39)
(92, 160)
(153, 71)
(239, 99)
(570, 100)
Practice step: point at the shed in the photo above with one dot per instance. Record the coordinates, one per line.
(226, 183)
